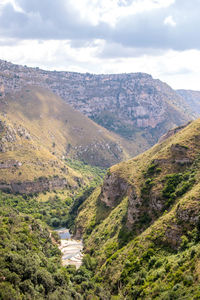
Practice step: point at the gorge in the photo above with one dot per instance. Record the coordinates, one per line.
(75, 152)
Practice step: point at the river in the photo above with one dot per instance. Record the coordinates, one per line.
(71, 249)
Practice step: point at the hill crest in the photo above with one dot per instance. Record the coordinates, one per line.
(134, 105)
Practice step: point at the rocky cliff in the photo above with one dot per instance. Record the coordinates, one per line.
(133, 105)
(192, 98)
(32, 187)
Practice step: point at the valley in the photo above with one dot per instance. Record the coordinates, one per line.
(114, 159)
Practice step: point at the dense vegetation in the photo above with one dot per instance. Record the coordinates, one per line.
(154, 254)
(142, 245)
(29, 261)
(56, 208)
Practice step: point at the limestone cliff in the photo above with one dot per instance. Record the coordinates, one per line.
(134, 105)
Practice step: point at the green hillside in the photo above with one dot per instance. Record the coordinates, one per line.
(141, 231)
(142, 226)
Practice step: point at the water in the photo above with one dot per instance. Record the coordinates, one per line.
(71, 249)
(64, 233)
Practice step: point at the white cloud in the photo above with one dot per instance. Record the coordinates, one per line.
(169, 21)
(110, 11)
(105, 36)
(14, 4)
(180, 70)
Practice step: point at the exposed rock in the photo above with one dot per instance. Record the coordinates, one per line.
(173, 235)
(172, 132)
(178, 150)
(184, 161)
(134, 208)
(78, 233)
(123, 103)
(10, 164)
(113, 190)
(192, 98)
(8, 136)
(188, 216)
(38, 186)
(22, 132)
(93, 151)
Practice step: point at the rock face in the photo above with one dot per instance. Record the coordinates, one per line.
(9, 134)
(148, 202)
(113, 190)
(128, 104)
(10, 164)
(38, 186)
(192, 98)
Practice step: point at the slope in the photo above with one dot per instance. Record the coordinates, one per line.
(134, 105)
(142, 225)
(40, 134)
(192, 98)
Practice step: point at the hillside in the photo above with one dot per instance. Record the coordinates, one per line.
(134, 105)
(41, 136)
(30, 261)
(192, 98)
(142, 225)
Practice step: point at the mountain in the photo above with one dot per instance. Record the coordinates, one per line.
(192, 98)
(142, 226)
(134, 105)
(41, 135)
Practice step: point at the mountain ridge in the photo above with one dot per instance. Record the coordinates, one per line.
(133, 105)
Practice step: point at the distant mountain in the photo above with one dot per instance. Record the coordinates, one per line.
(134, 105)
(40, 133)
(192, 98)
(142, 226)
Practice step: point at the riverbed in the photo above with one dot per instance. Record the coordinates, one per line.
(71, 249)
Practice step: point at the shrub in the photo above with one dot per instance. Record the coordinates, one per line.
(188, 280)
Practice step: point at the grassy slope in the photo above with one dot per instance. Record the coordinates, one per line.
(163, 250)
(56, 132)
(53, 121)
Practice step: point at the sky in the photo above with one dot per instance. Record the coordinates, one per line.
(159, 37)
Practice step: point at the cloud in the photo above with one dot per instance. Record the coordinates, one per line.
(147, 29)
(60, 19)
(46, 19)
(116, 50)
(105, 36)
(169, 21)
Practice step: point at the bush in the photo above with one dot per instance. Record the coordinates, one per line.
(8, 292)
(188, 280)
(55, 222)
